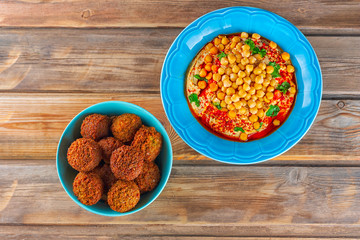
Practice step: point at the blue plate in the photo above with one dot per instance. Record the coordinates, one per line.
(233, 20)
(72, 132)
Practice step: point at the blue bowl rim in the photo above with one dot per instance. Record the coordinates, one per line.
(115, 214)
(249, 9)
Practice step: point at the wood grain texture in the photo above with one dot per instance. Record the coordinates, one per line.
(123, 60)
(197, 201)
(315, 15)
(31, 126)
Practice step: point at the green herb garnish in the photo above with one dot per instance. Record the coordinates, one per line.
(194, 98)
(262, 52)
(250, 43)
(273, 111)
(275, 73)
(261, 123)
(197, 76)
(236, 129)
(283, 87)
(217, 105)
(221, 55)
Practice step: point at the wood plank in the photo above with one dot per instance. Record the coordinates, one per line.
(197, 201)
(125, 60)
(31, 125)
(317, 15)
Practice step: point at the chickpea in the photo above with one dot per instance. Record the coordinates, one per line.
(217, 41)
(285, 56)
(235, 98)
(254, 98)
(253, 118)
(203, 73)
(220, 83)
(256, 125)
(249, 68)
(208, 67)
(251, 103)
(221, 71)
(246, 86)
(228, 100)
(232, 45)
(239, 81)
(242, 93)
(228, 71)
(216, 77)
(247, 80)
(213, 87)
(258, 56)
(266, 83)
(242, 110)
(235, 69)
(214, 68)
(221, 47)
(223, 104)
(292, 90)
(257, 71)
(238, 58)
(252, 90)
(256, 36)
(230, 91)
(259, 79)
(248, 96)
(262, 66)
(238, 46)
(231, 114)
(270, 95)
(225, 77)
(244, 35)
(260, 93)
(259, 104)
(290, 68)
(230, 107)
(273, 45)
(208, 59)
(263, 74)
(273, 83)
(209, 46)
(253, 110)
(236, 39)
(202, 84)
(258, 86)
(276, 122)
(245, 47)
(238, 104)
(242, 67)
(220, 95)
(266, 100)
(252, 77)
(224, 40)
(214, 50)
(260, 113)
(233, 77)
(231, 57)
(269, 69)
(227, 83)
(234, 85)
(224, 61)
(270, 89)
(246, 53)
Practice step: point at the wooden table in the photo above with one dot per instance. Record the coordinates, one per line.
(59, 57)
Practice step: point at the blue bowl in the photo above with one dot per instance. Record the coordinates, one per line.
(233, 20)
(72, 132)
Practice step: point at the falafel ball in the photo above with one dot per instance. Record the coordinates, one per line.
(88, 187)
(123, 196)
(149, 142)
(84, 154)
(107, 176)
(108, 145)
(126, 163)
(148, 178)
(95, 126)
(125, 126)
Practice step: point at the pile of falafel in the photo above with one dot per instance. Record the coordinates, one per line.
(116, 160)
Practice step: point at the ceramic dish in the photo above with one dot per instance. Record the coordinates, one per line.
(233, 20)
(67, 174)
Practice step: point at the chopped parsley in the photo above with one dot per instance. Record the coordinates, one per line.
(275, 73)
(237, 129)
(194, 98)
(250, 43)
(217, 105)
(221, 55)
(254, 49)
(283, 87)
(273, 111)
(197, 76)
(261, 123)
